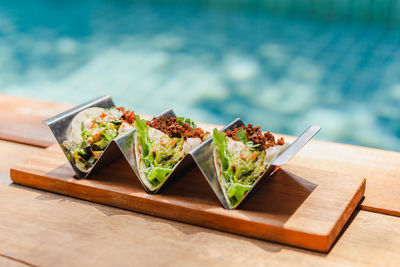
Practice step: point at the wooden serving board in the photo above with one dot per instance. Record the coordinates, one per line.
(299, 206)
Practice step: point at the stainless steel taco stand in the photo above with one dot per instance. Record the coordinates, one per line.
(60, 123)
(203, 156)
(121, 146)
(303, 139)
(192, 202)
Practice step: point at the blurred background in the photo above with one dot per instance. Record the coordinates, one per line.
(280, 64)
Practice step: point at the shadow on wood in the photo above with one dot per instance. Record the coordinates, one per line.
(280, 196)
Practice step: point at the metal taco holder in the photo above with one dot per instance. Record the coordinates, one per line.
(203, 156)
(121, 146)
(60, 123)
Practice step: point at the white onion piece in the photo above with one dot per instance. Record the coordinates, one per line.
(190, 144)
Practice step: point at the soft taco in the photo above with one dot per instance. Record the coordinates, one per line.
(90, 132)
(241, 156)
(160, 144)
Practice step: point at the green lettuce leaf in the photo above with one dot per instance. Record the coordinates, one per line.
(182, 120)
(251, 145)
(159, 174)
(237, 191)
(142, 130)
(221, 142)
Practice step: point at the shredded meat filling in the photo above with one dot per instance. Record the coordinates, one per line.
(170, 126)
(255, 135)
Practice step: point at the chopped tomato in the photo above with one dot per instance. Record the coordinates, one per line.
(173, 141)
(102, 115)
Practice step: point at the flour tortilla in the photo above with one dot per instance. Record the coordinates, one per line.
(75, 127)
(221, 179)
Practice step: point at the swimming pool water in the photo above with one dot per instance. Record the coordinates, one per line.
(209, 64)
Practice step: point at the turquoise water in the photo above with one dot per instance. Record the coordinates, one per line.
(211, 64)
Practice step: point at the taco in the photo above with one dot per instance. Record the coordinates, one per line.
(161, 144)
(90, 132)
(241, 157)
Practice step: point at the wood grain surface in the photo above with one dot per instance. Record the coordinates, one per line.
(21, 120)
(46, 229)
(380, 167)
(64, 231)
(302, 207)
(10, 262)
(12, 153)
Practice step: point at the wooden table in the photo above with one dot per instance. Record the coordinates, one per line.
(20, 120)
(40, 228)
(44, 229)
